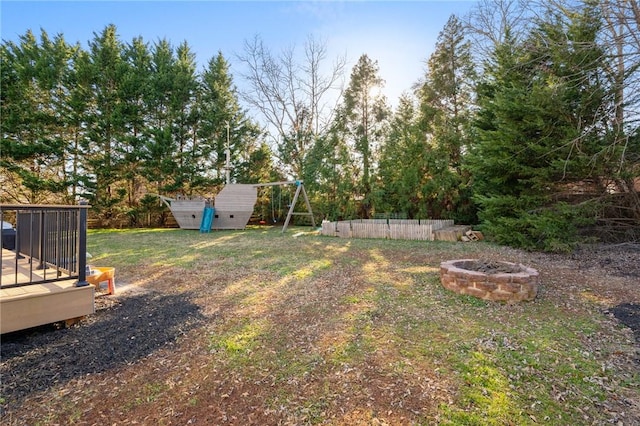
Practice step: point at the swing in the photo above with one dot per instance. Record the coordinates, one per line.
(273, 204)
(263, 212)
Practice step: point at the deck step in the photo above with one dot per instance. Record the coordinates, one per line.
(39, 304)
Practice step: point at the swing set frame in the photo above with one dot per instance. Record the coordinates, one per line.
(299, 190)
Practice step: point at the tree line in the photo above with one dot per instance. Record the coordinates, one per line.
(524, 122)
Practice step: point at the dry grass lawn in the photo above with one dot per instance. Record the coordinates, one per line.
(260, 327)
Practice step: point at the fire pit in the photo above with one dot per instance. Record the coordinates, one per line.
(489, 280)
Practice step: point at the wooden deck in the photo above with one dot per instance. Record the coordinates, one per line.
(38, 304)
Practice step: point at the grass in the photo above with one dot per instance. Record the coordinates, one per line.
(317, 330)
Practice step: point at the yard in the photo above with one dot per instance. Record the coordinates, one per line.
(260, 327)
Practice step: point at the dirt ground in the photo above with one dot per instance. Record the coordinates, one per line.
(620, 260)
(149, 329)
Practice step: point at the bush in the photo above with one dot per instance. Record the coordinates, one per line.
(553, 229)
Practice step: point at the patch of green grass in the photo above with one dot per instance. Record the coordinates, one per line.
(352, 351)
(239, 342)
(512, 365)
(526, 371)
(313, 411)
(289, 365)
(166, 247)
(314, 266)
(486, 396)
(152, 392)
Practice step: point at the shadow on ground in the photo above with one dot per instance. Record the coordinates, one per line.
(37, 359)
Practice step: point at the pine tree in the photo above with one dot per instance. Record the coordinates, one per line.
(33, 131)
(160, 166)
(102, 148)
(184, 116)
(80, 102)
(219, 108)
(361, 121)
(403, 172)
(134, 114)
(537, 131)
(446, 106)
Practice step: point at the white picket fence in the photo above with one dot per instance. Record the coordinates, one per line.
(394, 229)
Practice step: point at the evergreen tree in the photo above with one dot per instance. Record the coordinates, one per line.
(184, 116)
(330, 177)
(160, 165)
(361, 121)
(446, 105)
(80, 103)
(537, 132)
(219, 108)
(103, 148)
(134, 114)
(33, 132)
(403, 170)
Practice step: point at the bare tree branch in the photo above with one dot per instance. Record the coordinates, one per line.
(295, 96)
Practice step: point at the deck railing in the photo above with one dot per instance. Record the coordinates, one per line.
(49, 244)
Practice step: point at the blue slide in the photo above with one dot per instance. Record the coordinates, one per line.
(207, 219)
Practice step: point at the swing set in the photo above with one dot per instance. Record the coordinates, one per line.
(233, 206)
(299, 190)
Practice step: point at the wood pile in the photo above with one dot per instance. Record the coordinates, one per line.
(471, 235)
(451, 233)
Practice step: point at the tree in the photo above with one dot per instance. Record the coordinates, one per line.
(80, 103)
(330, 177)
(493, 22)
(32, 126)
(102, 149)
(133, 113)
(537, 130)
(293, 96)
(446, 107)
(404, 170)
(160, 165)
(622, 46)
(219, 108)
(184, 117)
(361, 122)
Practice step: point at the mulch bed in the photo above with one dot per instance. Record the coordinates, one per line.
(121, 331)
(629, 315)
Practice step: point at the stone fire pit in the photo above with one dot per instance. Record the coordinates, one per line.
(498, 281)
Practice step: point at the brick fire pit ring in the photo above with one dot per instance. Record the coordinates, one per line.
(497, 281)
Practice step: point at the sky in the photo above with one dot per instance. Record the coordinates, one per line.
(400, 35)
